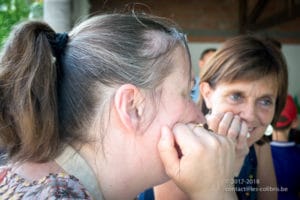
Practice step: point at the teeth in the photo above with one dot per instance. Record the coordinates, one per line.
(249, 131)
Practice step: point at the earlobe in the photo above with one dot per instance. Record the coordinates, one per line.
(200, 64)
(126, 103)
(206, 91)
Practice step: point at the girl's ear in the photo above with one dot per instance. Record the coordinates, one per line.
(129, 106)
(206, 92)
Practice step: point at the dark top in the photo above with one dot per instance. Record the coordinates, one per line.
(246, 182)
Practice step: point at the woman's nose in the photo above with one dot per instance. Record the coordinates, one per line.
(248, 112)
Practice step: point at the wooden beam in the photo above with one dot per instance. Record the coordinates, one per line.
(276, 19)
(242, 16)
(256, 11)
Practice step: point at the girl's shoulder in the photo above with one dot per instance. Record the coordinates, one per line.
(53, 186)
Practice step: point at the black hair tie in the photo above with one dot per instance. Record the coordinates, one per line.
(58, 43)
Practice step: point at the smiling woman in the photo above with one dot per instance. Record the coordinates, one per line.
(254, 102)
(245, 80)
(248, 77)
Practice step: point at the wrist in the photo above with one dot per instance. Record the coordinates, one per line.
(230, 195)
(214, 195)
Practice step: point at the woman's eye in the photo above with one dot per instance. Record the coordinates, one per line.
(235, 97)
(266, 102)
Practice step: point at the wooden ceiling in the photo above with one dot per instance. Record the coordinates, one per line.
(216, 20)
(251, 19)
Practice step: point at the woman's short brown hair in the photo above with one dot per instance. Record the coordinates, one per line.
(250, 58)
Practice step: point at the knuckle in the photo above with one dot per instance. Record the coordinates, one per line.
(216, 143)
(232, 134)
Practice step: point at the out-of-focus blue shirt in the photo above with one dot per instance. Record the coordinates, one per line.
(195, 94)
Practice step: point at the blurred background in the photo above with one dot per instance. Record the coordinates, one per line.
(207, 23)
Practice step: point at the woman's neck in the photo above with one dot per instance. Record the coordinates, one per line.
(32, 171)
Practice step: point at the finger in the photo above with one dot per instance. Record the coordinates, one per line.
(242, 148)
(242, 138)
(235, 128)
(213, 120)
(195, 140)
(205, 135)
(227, 142)
(185, 137)
(168, 152)
(225, 123)
(227, 145)
(192, 126)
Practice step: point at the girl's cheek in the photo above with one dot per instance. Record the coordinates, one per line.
(194, 113)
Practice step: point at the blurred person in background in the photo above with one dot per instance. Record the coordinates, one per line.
(204, 57)
(286, 153)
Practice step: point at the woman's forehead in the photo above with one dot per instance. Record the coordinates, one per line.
(181, 60)
(265, 85)
(181, 73)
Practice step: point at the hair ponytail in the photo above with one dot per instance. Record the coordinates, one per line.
(28, 94)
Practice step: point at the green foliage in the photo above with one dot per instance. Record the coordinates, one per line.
(36, 10)
(297, 103)
(12, 12)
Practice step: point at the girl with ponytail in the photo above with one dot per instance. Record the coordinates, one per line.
(104, 112)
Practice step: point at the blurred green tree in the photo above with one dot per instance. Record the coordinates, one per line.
(13, 12)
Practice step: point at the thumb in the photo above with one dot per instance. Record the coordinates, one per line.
(168, 152)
